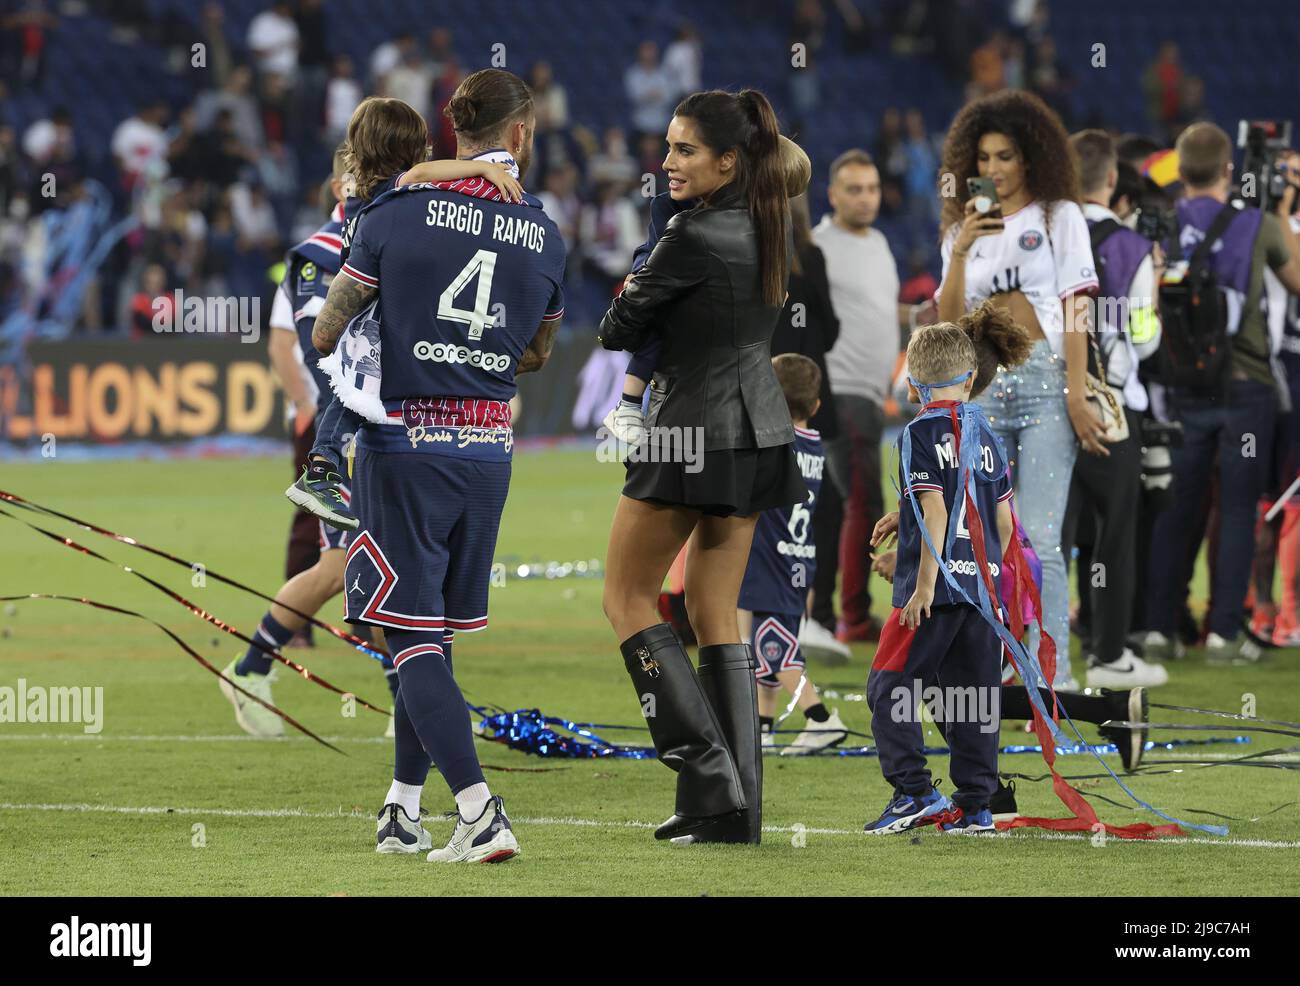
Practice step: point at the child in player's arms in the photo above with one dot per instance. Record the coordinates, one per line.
(377, 164)
(935, 633)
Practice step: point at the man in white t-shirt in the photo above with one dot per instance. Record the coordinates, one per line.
(863, 280)
(139, 141)
(273, 40)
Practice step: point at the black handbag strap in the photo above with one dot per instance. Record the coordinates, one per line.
(1099, 232)
(1201, 255)
(1102, 231)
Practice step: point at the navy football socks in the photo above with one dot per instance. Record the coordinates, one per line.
(271, 633)
(432, 719)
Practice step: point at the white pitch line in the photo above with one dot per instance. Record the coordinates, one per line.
(1152, 756)
(571, 822)
(218, 738)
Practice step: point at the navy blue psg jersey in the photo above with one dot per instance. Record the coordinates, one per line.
(352, 212)
(783, 557)
(934, 468)
(464, 282)
(309, 268)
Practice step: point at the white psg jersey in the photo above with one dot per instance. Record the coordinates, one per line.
(1023, 258)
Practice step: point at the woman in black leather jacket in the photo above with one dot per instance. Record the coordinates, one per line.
(718, 450)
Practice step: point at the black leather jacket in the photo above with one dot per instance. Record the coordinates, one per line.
(700, 290)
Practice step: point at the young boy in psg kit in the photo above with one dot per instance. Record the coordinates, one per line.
(954, 482)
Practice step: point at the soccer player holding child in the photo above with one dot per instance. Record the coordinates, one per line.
(444, 264)
(955, 513)
(782, 560)
(384, 150)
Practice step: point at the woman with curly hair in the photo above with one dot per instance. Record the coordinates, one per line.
(1027, 250)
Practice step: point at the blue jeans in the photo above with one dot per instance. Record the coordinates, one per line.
(1026, 407)
(1234, 437)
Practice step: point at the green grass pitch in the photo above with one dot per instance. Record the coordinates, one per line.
(172, 798)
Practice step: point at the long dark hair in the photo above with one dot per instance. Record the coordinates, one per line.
(1051, 173)
(746, 123)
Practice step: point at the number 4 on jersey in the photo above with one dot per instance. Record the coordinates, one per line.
(481, 265)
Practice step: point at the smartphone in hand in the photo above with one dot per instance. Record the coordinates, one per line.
(985, 196)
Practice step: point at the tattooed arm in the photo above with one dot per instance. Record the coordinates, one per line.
(539, 350)
(347, 296)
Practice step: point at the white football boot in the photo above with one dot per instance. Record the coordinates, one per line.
(254, 719)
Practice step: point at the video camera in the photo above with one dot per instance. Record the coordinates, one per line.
(1264, 174)
(1156, 224)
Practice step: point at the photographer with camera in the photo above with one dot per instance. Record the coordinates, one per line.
(1277, 543)
(1126, 329)
(1215, 359)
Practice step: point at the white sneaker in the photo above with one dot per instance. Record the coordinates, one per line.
(625, 423)
(768, 742)
(818, 736)
(399, 832)
(254, 719)
(486, 839)
(1129, 671)
(390, 731)
(816, 640)
(1158, 647)
(1243, 650)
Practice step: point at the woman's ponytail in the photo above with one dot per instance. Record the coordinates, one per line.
(767, 194)
(999, 341)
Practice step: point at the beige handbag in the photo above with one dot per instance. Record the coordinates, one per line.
(1107, 401)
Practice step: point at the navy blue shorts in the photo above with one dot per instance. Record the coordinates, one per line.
(332, 537)
(775, 639)
(422, 558)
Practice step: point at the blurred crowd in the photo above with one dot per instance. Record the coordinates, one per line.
(214, 190)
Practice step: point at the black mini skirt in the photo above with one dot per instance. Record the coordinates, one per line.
(724, 483)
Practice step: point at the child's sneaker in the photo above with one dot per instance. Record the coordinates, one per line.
(323, 494)
(1243, 650)
(1003, 803)
(907, 811)
(818, 736)
(975, 823)
(254, 719)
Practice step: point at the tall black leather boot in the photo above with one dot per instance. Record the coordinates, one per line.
(727, 675)
(685, 731)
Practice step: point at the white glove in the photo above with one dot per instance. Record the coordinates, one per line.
(626, 423)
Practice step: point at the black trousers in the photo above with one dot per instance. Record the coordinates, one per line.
(827, 519)
(1108, 488)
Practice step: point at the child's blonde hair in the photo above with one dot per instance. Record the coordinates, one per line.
(796, 166)
(940, 352)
